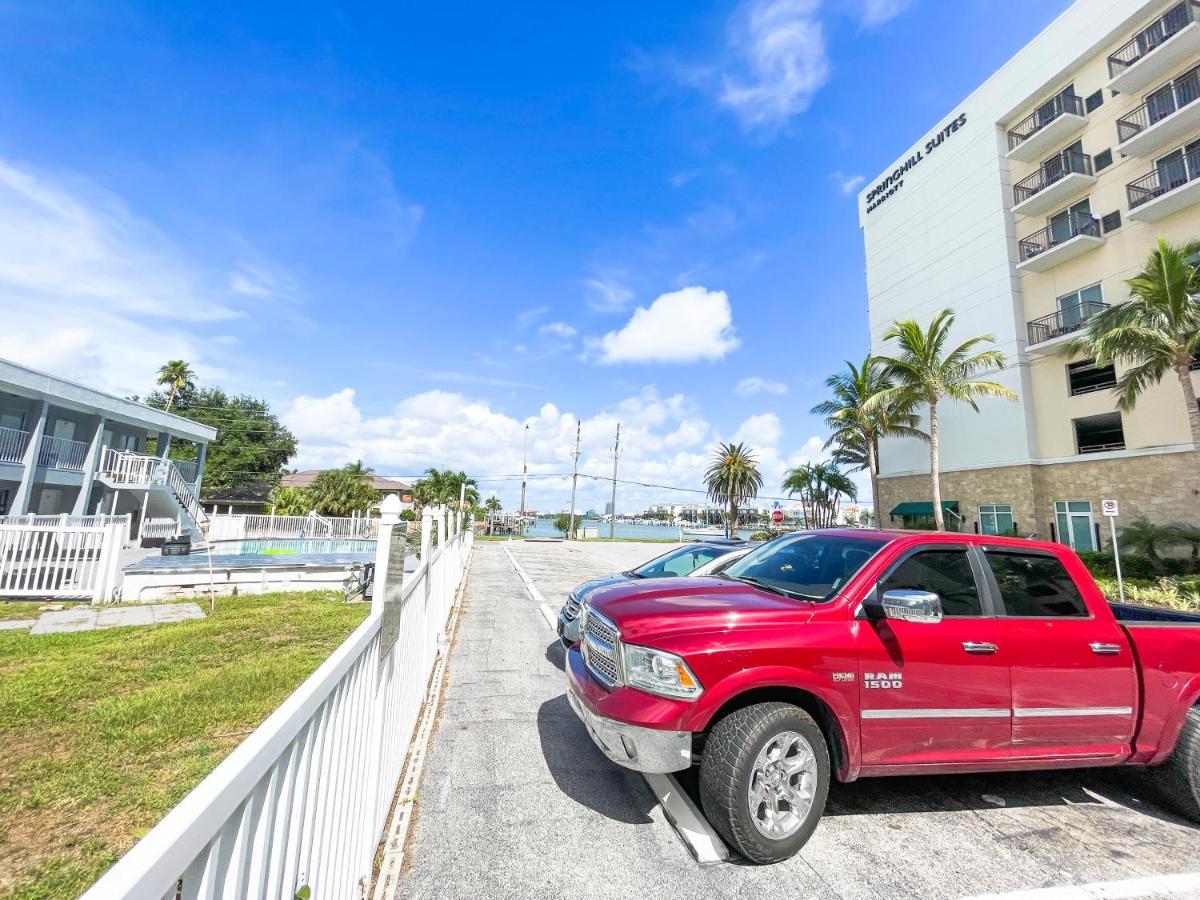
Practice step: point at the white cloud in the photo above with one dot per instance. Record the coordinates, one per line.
(688, 325)
(848, 184)
(876, 12)
(607, 293)
(784, 63)
(90, 291)
(527, 317)
(263, 280)
(756, 384)
(559, 329)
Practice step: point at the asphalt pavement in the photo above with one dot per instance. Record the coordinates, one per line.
(515, 801)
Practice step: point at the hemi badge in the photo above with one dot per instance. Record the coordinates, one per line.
(843, 676)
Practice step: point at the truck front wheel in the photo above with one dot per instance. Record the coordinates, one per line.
(764, 778)
(1181, 772)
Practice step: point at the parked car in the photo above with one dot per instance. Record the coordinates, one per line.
(680, 561)
(847, 654)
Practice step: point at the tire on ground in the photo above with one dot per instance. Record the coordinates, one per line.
(727, 767)
(1179, 776)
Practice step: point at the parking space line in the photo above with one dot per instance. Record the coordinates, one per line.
(548, 615)
(525, 579)
(1184, 884)
(697, 835)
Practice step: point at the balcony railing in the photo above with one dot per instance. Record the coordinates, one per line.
(1161, 104)
(60, 453)
(1166, 177)
(13, 443)
(1153, 36)
(1052, 235)
(1043, 116)
(1065, 321)
(1067, 163)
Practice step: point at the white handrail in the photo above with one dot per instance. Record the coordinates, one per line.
(124, 467)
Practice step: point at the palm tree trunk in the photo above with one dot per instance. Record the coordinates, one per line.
(1183, 370)
(170, 399)
(934, 465)
(873, 468)
(731, 525)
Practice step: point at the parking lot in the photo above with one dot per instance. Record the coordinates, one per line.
(515, 801)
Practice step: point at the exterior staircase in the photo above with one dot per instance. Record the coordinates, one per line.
(169, 495)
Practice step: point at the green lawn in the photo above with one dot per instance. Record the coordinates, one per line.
(26, 609)
(102, 732)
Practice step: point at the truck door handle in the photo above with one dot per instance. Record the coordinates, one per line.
(1102, 649)
(979, 647)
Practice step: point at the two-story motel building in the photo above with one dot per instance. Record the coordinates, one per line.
(1024, 210)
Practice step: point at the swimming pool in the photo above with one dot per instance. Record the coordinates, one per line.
(300, 546)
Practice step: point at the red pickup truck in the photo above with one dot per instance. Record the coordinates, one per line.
(860, 653)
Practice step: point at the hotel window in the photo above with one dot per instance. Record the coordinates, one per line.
(1098, 434)
(1065, 224)
(1085, 376)
(1178, 167)
(4, 501)
(996, 519)
(1102, 160)
(1078, 306)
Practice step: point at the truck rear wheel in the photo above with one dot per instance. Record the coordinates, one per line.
(1180, 774)
(764, 778)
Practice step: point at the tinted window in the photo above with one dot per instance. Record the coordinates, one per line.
(946, 573)
(1035, 586)
(678, 562)
(810, 565)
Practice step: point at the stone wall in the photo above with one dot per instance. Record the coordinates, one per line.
(1164, 488)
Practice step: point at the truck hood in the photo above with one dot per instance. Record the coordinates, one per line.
(586, 589)
(664, 607)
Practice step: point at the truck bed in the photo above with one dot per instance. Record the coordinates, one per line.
(1132, 614)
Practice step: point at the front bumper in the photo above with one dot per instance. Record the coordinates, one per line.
(632, 746)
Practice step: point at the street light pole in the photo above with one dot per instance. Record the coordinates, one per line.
(574, 479)
(524, 477)
(612, 513)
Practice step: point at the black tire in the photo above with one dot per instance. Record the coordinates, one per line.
(727, 767)
(1179, 776)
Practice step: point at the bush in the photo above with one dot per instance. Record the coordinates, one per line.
(1101, 565)
(761, 536)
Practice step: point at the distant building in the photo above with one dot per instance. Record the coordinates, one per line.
(252, 499)
(608, 508)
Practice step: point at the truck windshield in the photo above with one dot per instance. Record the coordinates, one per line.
(811, 565)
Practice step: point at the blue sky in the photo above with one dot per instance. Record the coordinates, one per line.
(414, 230)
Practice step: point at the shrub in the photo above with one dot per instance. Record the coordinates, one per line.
(761, 536)
(1101, 565)
(1183, 595)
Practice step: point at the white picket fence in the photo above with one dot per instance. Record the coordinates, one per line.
(243, 527)
(61, 557)
(304, 799)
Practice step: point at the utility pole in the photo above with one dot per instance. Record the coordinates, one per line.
(524, 478)
(574, 479)
(612, 520)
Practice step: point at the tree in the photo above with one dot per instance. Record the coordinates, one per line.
(176, 376)
(924, 371)
(1155, 331)
(562, 522)
(340, 492)
(252, 446)
(442, 486)
(733, 479)
(857, 421)
(493, 504)
(286, 500)
(821, 487)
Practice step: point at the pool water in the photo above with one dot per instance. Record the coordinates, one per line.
(300, 546)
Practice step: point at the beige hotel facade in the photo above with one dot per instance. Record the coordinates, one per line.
(1024, 209)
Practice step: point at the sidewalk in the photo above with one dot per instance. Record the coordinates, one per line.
(516, 802)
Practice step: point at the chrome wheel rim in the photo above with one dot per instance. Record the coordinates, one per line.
(783, 784)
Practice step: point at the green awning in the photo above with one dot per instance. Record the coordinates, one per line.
(921, 508)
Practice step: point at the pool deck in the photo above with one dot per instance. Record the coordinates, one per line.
(223, 562)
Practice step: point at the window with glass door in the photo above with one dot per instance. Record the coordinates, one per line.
(1074, 308)
(1067, 223)
(996, 518)
(1076, 526)
(1178, 167)
(1062, 163)
(1053, 108)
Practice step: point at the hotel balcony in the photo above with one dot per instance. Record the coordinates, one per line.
(1172, 186)
(60, 453)
(13, 443)
(1169, 41)
(1053, 184)
(1168, 115)
(1076, 234)
(1066, 321)
(1049, 126)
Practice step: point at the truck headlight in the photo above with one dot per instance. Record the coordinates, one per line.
(659, 672)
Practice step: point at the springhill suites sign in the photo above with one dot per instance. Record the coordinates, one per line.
(892, 184)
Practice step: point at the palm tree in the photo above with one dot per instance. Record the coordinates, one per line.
(732, 479)
(492, 504)
(176, 375)
(856, 423)
(442, 486)
(821, 487)
(924, 371)
(1155, 331)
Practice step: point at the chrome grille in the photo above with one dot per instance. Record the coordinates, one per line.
(601, 648)
(571, 609)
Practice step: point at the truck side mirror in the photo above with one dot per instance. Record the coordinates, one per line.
(909, 606)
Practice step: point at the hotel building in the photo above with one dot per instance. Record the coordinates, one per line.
(1024, 210)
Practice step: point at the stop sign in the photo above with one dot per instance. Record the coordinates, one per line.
(777, 516)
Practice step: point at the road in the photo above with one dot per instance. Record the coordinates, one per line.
(516, 802)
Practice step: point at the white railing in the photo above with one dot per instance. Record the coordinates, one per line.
(236, 527)
(187, 468)
(61, 561)
(60, 453)
(303, 801)
(13, 443)
(158, 528)
(63, 520)
(122, 467)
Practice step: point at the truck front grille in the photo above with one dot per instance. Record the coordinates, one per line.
(602, 648)
(571, 610)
